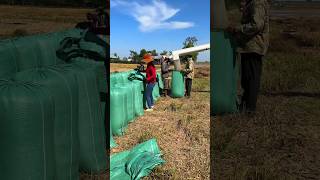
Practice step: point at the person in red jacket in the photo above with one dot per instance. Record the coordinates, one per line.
(151, 80)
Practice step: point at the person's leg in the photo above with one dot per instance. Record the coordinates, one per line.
(254, 81)
(148, 95)
(245, 74)
(151, 98)
(163, 91)
(189, 86)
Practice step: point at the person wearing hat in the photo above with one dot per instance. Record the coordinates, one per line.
(165, 73)
(189, 75)
(151, 80)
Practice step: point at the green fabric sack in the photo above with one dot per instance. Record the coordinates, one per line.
(118, 108)
(47, 46)
(91, 130)
(98, 68)
(129, 99)
(136, 163)
(177, 84)
(62, 85)
(26, 131)
(27, 53)
(224, 72)
(139, 110)
(8, 65)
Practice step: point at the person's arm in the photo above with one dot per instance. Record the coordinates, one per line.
(257, 22)
(190, 68)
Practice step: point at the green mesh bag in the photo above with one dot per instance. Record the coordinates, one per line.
(26, 131)
(223, 79)
(177, 84)
(8, 65)
(98, 68)
(118, 110)
(63, 87)
(47, 46)
(129, 99)
(27, 53)
(91, 130)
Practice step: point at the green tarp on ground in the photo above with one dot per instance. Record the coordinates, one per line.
(136, 163)
(26, 131)
(62, 85)
(223, 80)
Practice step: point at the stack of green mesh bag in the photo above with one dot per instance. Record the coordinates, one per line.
(127, 99)
(52, 121)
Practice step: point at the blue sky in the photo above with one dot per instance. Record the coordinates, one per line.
(158, 24)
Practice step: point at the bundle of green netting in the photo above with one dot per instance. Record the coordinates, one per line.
(137, 162)
(52, 120)
(127, 99)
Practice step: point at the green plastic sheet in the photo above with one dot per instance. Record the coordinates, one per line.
(223, 80)
(136, 163)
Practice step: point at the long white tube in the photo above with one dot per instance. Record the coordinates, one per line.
(180, 52)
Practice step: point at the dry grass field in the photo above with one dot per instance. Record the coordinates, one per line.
(181, 127)
(24, 20)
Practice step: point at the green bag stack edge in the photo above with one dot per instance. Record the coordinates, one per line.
(33, 145)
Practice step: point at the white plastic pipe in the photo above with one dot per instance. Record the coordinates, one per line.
(181, 52)
(177, 53)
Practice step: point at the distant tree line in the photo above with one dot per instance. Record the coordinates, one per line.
(75, 3)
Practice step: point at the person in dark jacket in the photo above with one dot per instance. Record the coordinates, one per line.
(253, 40)
(151, 80)
(165, 74)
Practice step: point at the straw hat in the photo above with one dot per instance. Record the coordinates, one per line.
(147, 58)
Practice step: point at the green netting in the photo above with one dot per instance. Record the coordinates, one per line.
(177, 84)
(112, 142)
(118, 107)
(161, 85)
(90, 46)
(136, 163)
(223, 74)
(156, 92)
(27, 53)
(26, 131)
(47, 46)
(129, 100)
(63, 87)
(91, 123)
(98, 68)
(138, 102)
(8, 64)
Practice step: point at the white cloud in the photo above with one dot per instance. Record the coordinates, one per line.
(152, 16)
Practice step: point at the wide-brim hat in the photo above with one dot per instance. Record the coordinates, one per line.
(147, 58)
